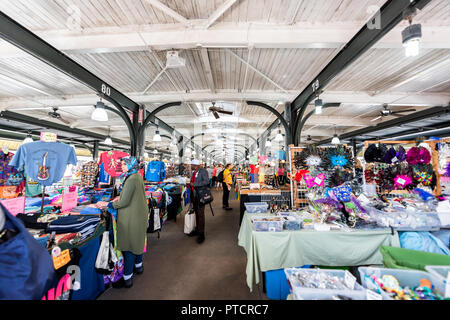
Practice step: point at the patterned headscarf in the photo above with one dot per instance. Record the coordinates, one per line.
(132, 164)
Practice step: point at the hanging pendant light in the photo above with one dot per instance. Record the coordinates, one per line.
(411, 35)
(155, 151)
(279, 136)
(318, 104)
(99, 113)
(335, 139)
(157, 136)
(108, 139)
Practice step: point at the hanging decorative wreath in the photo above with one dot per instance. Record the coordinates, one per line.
(340, 156)
(311, 157)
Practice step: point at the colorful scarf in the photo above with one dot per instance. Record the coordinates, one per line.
(132, 164)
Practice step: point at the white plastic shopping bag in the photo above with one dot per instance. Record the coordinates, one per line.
(189, 221)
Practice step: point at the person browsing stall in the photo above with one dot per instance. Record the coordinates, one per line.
(199, 180)
(132, 220)
(227, 182)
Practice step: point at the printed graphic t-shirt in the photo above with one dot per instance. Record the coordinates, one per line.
(5, 169)
(57, 156)
(111, 162)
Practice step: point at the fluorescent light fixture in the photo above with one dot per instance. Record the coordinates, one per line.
(108, 141)
(335, 139)
(99, 113)
(28, 139)
(319, 104)
(279, 137)
(157, 137)
(411, 36)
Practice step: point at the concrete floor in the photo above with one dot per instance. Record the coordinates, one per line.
(177, 268)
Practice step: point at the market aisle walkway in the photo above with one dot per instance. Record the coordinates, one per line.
(176, 267)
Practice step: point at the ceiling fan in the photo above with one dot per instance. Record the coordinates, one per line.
(215, 110)
(309, 139)
(388, 112)
(56, 115)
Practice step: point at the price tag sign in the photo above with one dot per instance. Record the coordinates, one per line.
(394, 159)
(49, 137)
(350, 280)
(317, 180)
(61, 259)
(69, 201)
(401, 181)
(370, 295)
(14, 206)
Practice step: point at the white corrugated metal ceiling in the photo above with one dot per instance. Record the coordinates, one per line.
(264, 50)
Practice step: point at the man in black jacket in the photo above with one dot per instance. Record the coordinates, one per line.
(199, 180)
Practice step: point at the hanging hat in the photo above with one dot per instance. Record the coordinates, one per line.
(390, 156)
(424, 155)
(412, 156)
(380, 152)
(401, 154)
(369, 154)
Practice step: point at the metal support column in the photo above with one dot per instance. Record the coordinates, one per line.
(95, 150)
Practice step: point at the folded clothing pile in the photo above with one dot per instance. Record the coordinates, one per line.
(85, 225)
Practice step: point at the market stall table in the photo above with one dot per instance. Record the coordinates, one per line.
(247, 195)
(289, 249)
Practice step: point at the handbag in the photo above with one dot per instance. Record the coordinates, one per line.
(189, 221)
(204, 195)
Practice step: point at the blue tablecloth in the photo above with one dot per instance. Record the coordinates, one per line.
(92, 283)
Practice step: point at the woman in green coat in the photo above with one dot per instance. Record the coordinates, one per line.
(132, 220)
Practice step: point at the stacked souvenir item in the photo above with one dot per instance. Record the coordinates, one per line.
(395, 169)
(424, 290)
(411, 211)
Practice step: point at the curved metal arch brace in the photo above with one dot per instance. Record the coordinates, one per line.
(124, 115)
(191, 140)
(152, 114)
(239, 145)
(300, 124)
(241, 152)
(248, 135)
(278, 115)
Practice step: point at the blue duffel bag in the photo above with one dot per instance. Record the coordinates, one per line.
(27, 270)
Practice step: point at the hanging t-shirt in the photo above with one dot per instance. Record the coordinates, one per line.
(32, 188)
(103, 176)
(252, 169)
(89, 174)
(44, 162)
(5, 169)
(156, 171)
(281, 155)
(111, 160)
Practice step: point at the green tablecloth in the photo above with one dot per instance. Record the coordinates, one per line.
(289, 249)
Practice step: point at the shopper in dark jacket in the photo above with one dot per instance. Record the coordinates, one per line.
(200, 179)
